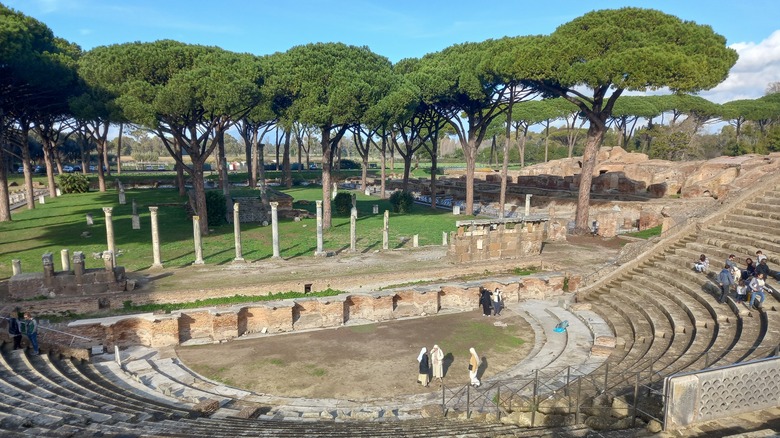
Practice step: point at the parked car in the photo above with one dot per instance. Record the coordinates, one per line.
(313, 166)
(20, 169)
(77, 168)
(68, 169)
(161, 167)
(39, 169)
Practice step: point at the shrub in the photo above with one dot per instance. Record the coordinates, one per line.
(342, 204)
(74, 183)
(215, 207)
(401, 201)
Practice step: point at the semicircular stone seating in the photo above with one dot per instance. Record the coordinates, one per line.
(667, 316)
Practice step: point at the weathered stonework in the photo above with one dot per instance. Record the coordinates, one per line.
(215, 325)
(496, 239)
(56, 284)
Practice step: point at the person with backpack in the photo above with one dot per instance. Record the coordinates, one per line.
(31, 330)
(14, 330)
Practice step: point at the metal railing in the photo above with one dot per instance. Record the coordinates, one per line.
(561, 396)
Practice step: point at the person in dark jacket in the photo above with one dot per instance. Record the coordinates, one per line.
(486, 301)
(30, 326)
(15, 330)
(726, 280)
(425, 367)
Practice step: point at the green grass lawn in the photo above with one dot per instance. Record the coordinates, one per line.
(60, 224)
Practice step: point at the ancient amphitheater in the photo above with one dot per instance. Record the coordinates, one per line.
(641, 322)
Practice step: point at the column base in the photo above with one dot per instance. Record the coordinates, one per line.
(239, 260)
(198, 262)
(156, 266)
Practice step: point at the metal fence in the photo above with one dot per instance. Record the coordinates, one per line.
(564, 396)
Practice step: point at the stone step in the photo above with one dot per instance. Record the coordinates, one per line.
(766, 235)
(755, 209)
(742, 244)
(748, 221)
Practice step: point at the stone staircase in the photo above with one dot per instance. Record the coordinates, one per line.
(667, 317)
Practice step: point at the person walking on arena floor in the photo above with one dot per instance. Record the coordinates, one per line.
(485, 300)
(425, 369)
(498, 302)
(474, 364)
(437, 363)
(725, 279)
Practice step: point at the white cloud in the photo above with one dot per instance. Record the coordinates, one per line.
(758, 65)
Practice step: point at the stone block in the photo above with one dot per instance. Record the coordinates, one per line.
(206, 407)
(605, 341)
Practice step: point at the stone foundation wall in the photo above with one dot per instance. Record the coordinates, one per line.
(496, 239)
(93, 281)
(215, 325)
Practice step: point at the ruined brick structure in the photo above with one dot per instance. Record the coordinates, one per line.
(497, 239)
(220, 324)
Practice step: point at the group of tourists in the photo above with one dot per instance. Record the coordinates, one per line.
(28, 327)
(491, 301)
(749, 283)
(435, 364)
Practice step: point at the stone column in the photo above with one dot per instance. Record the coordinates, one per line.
(41, 199)
(122, 198)
(65, 259)
(90, 221)
(319, 227)
(386, 231)
(48, 265)
(17, 266)
(375, 209)
(155, 239)
(352, 230)
(444, 238)
(456, 209)
(135, 218)
(108, 261)
(58, 191)
(198, 242)
(416, 241)
(275, 228)
(237, 233)
(78, 266)
(528, 204)
(110, 230)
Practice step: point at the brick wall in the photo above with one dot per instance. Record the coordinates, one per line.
(302, 314)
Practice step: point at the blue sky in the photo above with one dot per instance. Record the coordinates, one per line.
(396, 29)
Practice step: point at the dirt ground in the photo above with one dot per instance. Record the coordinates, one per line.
(365, 362)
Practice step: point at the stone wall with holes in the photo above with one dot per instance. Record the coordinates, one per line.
(222, 324)
(496, 239)
(722, 392)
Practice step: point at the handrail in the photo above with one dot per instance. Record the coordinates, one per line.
(72, 336)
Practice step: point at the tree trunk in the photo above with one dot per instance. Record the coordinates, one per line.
(105, 156)
(257, 159)
(383, 171)
(407, 170)
(199, 190)
(47, 159)
(546, 141)
(434, 166)
(327, 161)
(470, 154)
(595, 138)
(179, 168)
(287, 171)
(119, 150)
(505, 163)
(57, 160)
(250, 177)
(28, 183)
(5, 202)
(223, 173)
(260, 155)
